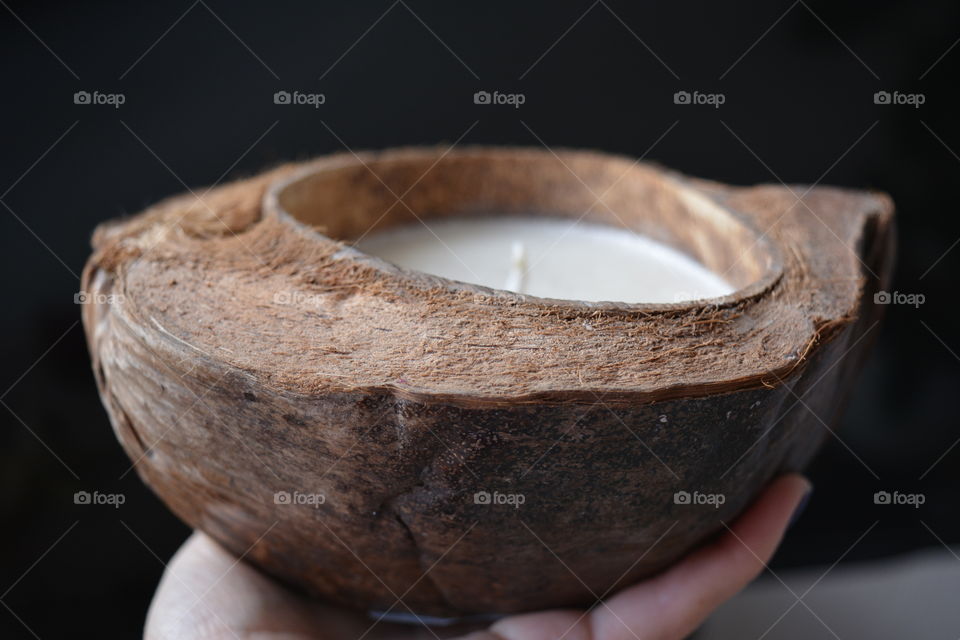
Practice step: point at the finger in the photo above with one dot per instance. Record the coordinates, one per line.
(545, 625)
(675, 603)
(206, 593)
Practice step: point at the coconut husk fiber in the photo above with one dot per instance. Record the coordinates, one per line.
(250, 358)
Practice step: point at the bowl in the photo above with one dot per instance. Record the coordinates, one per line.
(392, 440)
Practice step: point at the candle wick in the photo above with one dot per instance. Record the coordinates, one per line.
(518, 268)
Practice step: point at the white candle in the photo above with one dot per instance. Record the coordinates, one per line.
(548, 257)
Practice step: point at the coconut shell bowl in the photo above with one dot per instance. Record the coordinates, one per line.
(361, 431)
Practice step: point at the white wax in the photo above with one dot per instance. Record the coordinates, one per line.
(548, 257)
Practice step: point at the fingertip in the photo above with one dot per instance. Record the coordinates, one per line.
(797, 484)
(543, 625)
(751, 540)
(761, 527)
(693, 588)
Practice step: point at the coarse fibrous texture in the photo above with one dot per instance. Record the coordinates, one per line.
(366, 432)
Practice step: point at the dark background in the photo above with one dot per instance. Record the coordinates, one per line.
(199, 81)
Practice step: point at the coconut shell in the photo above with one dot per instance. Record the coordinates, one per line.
(386, 439)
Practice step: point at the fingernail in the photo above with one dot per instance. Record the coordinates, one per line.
(801, 507)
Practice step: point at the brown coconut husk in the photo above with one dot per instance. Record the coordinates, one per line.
(248, 349)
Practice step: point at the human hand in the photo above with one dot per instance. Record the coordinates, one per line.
(206, 593)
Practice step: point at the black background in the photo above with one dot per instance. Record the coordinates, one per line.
(199, 80)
